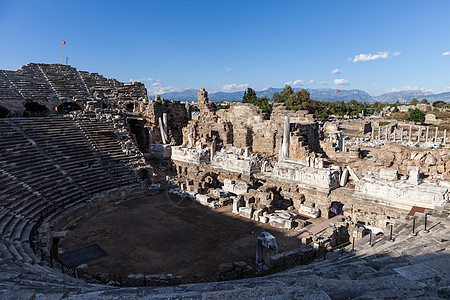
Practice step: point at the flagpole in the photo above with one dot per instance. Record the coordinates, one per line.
(62, 52)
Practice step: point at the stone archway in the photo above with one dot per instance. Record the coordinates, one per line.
(129, 107)
(33, 109)
(4, 113)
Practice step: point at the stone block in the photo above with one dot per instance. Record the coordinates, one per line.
(241, 188)
(309, 211)
(257, 214)
(226, 267)
(202, 199)
(246, 212)
(277, 222)
(388, 174)
(263, 219)
(237, 203)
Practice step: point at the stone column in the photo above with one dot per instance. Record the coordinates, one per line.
(386, 137)
(419, 133)
(410, 131)
(163, 133)
(286, 133)
(401, 134)
(165, 123)
(213, 149)
(444, 140)
(379, 132)
(373, 132)
(435, 135)
(191, 140)
(395, 132)
(426, 136)
(341, 142)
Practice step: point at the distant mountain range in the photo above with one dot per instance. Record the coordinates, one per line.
(317, 94)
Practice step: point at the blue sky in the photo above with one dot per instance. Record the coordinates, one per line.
(376, 46)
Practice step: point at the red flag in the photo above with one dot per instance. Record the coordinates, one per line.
(338, 91)
(63, 42)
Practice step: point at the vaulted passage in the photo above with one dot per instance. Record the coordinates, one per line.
(33, 109)
(4, 113)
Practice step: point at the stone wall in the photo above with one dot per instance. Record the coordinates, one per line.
(178, 116)
(244, 125)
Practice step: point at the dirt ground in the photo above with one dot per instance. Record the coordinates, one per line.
(163, 234)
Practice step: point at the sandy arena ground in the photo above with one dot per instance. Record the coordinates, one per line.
(163, 234)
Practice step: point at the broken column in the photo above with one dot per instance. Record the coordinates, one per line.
(286, 133)
(444, 140)
(344, 177)
(164, 119)
(213, 150)
(414, 174)
(163, 133)
(266, 247)
(191, 140)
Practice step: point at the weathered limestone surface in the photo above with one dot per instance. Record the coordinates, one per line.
(244, 125)
(234, 161)
(190, 155)
(402, 194)
(293, 170)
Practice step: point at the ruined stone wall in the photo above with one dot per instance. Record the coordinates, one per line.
(177, 118)
(244, 125)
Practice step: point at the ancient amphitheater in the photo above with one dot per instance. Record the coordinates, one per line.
(312, 214)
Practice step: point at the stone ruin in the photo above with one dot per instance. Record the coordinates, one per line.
(270, 169)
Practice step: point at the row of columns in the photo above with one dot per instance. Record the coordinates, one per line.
(400, 132)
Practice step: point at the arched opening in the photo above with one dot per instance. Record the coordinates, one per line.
(32, 109)
(4, 113)
(68, 107)
(336, 208)
(129, 107)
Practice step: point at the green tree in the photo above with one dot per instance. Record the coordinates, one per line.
(295, 100)
(262, 103)
(439, 104)
(416, 115)
(424, 101)
(249, 96)
(414, 101)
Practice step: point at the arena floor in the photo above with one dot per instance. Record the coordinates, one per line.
(164, 234)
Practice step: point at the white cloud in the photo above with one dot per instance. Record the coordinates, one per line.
(341, 82)
(324, 83)
(233, 87)
(336, 71)
(299, 82)
(227, 69)
(446, 53)
(144, 79)
(378, 55)
(408, 88)
(155, 86)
